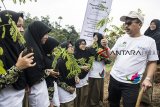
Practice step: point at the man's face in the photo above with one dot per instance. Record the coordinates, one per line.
(132, 26)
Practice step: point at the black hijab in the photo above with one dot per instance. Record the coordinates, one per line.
(61, 66)
(48, 47)
(65, 44)
(94, 51)
(100, 37)
(78, 54)
(50, 44)
(33, 35)
(81, 53)
(11, 49)
(155, 34)
(152, 33)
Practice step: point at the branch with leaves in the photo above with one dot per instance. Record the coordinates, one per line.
(20, 1)
(71, 63)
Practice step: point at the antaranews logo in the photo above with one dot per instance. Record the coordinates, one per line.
(123, 44)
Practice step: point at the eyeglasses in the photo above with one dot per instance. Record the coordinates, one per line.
(70, 46)
(82, 43)
(129, 22)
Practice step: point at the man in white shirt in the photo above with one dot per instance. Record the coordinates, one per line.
(133, 53)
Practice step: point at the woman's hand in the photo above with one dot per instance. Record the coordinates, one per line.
(85, 68)
(52, 73)
(25, 61)
(77, 80)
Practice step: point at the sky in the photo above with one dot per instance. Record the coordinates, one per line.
(73, 11)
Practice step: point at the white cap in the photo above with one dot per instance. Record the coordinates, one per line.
(132, 14)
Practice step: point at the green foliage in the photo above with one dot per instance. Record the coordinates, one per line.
(72, 66)
(14, 32)
(21, 1)
(4, 31)
(2, 70)
(45, 19)
(113, 32)
(81, 61)
(91, 60)
(56, 53)
(71, 63)
(1, 51)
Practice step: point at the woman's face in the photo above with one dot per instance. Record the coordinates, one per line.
(20, 24)
(82, 45)
(153, 26)
(95, 38)
(44, 39)
(70, 49)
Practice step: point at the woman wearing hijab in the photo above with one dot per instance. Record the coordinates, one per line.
(96, 74)
(153, 31)
(82, 54)
(36, 35)
(48, 47)
(12, 64)
(66, 85)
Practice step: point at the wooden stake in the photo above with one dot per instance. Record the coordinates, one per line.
(139, 97)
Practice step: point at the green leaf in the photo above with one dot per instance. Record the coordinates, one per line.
(4, 31)
(14, 1)
(101, 23)
(2, 70)
(1, 51)
(1, 63)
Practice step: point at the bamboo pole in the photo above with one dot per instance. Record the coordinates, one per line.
(139, 97)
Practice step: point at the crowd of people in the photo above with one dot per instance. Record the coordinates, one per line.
(53, 74)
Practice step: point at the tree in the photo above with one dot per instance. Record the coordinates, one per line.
(60, 18)
(112, 32)
(45, 19)
(28, 19)
(21, 1)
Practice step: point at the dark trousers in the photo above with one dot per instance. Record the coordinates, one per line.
(82, 97)
(96, 89)
(68, 104)
(128, 92)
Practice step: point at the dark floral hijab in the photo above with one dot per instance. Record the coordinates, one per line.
(11, 49)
